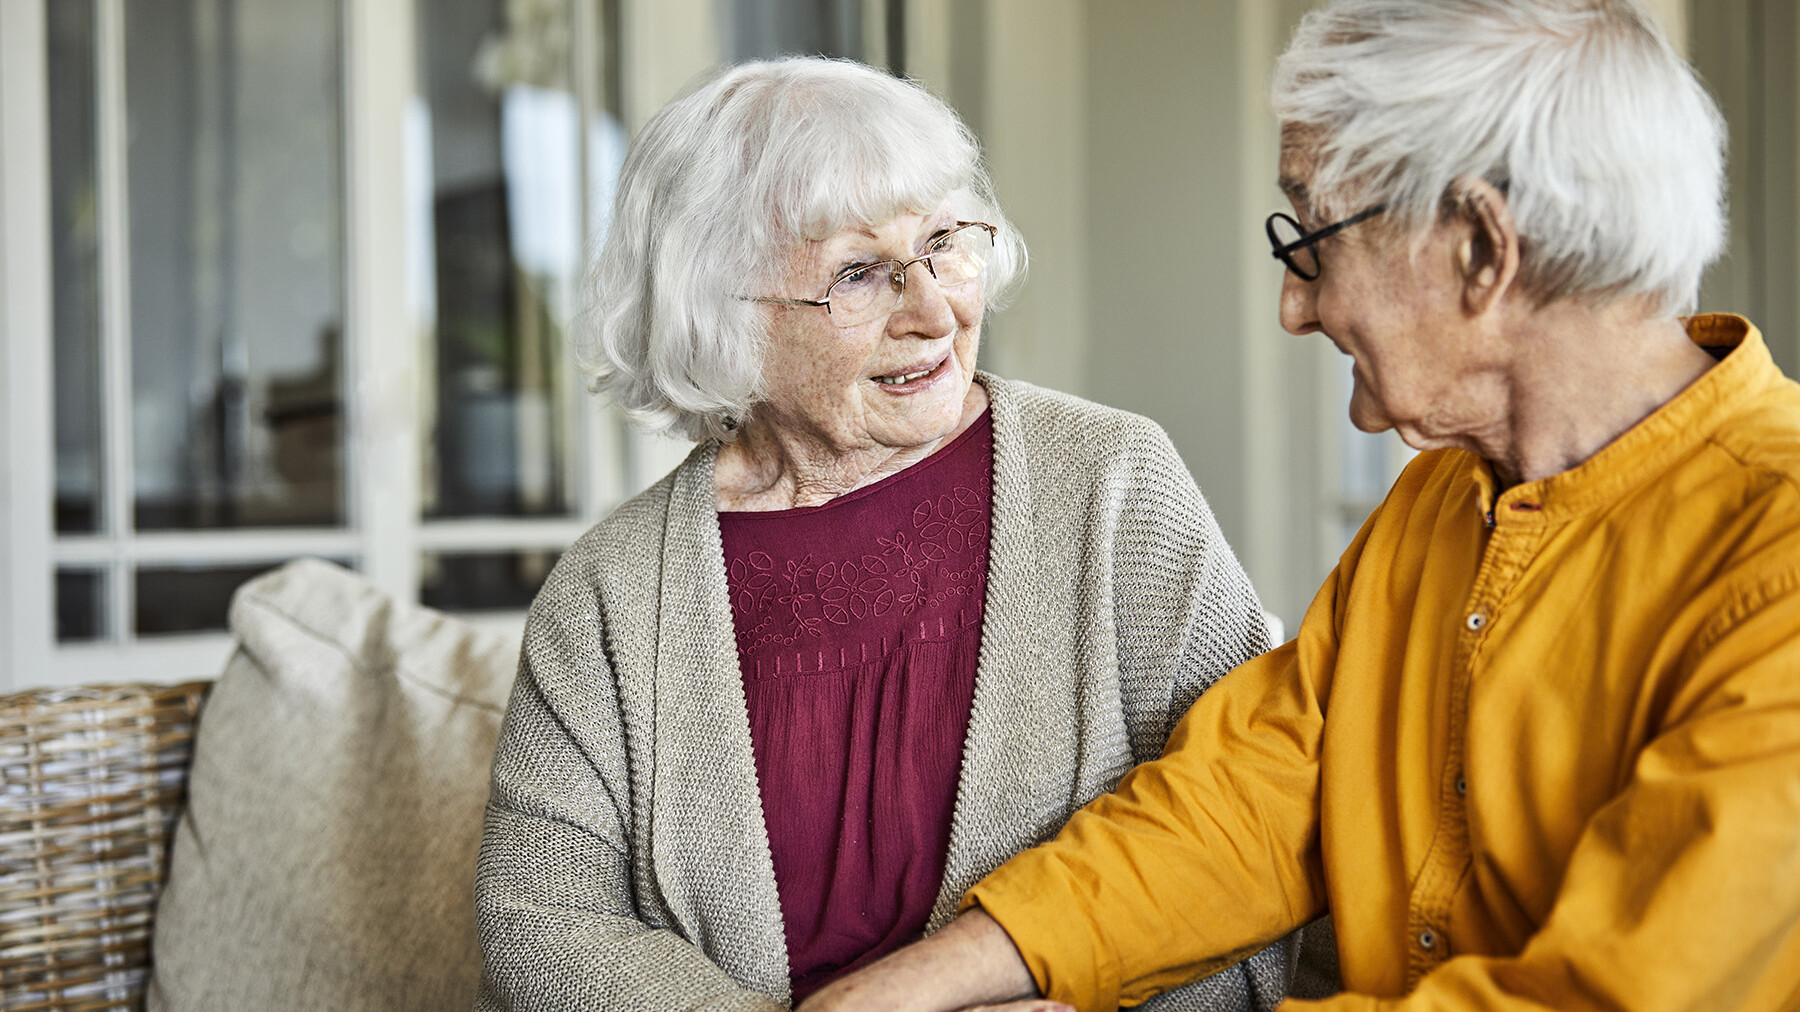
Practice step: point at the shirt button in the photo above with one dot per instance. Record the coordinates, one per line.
(1427, 939)
(1462, 787)
(1475, 621)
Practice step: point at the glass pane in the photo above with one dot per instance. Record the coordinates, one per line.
(487, 581)
(188, 599)
(75, 266)
(80, 605)
(761, 29)
(237, 262)
(505, 216)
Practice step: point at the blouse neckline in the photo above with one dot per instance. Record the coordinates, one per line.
(982, 422)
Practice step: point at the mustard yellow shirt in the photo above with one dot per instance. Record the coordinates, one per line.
(1533, 751)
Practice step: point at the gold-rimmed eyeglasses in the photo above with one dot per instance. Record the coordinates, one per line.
(870, 291)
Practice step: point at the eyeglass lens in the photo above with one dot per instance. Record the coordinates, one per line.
(1285, 231)
(873, 290)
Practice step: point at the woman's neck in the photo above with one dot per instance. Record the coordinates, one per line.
(769, 467)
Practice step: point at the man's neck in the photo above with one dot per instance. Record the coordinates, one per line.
(1580, 379)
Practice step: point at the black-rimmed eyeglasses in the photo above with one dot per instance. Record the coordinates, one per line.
(1294, 246)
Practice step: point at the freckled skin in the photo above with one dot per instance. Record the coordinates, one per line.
(826, 426)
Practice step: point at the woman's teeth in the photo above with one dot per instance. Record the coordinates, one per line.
(904, 378)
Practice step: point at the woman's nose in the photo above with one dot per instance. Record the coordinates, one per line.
(924, 307)
(1299, 304)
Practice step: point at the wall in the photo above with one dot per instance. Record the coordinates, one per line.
(1167, 327)
(1744, 51)
(1034, 127)
(1132, 145)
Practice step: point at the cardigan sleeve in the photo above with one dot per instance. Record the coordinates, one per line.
(1185, 615)
(554, 891)
(1185, 612)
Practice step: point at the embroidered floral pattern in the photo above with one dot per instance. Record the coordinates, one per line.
(936, 560)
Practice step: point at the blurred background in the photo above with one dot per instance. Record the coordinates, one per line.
(292, 277)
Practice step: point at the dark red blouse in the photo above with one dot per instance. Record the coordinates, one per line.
(858, 629)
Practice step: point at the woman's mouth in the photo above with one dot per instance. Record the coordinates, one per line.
(903, 377)
(913, 374)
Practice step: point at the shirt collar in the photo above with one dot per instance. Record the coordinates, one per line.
(1648, 448)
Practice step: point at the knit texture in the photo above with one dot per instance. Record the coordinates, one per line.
(624, 862)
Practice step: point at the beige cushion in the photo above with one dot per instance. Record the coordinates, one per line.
(327, 856)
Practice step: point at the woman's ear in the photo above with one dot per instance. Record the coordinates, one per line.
(1487, 250)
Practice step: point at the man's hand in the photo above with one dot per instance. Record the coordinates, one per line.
(969, 963)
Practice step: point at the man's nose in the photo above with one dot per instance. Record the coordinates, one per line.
(1299, 304)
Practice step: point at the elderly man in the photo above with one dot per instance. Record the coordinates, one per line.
(1537, 743)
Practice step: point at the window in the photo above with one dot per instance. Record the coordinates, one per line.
(223, 345)
(291, 279)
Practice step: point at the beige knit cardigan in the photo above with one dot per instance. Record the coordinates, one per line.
(624, 862)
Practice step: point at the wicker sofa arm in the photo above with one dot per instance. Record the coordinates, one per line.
(93, 779)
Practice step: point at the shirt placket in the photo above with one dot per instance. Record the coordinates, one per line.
(1509, 547)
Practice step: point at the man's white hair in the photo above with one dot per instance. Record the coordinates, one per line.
(1610, 151)
(722, 187)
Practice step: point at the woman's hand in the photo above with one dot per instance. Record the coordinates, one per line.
(971, 961)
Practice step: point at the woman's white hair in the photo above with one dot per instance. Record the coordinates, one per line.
(721, 187)
(1610, 151)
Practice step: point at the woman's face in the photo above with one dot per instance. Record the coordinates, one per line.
(897, 381)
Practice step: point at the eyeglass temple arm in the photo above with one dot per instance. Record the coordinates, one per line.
(786, 302)
(1328, 231)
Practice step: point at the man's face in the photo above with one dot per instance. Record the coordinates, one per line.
(1393, 303)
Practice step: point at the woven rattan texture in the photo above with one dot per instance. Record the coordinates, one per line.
(94, 780)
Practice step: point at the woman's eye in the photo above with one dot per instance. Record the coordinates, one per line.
(857, 277)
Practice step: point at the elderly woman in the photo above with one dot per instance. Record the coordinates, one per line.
(891, 621)
(1537, 743)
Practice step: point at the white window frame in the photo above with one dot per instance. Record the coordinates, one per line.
(384, 533)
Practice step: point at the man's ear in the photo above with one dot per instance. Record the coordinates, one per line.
(1487, 244)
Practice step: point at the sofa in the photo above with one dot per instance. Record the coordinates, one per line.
(298, 833)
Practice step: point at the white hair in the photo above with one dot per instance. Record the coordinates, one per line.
(1610, 151)
(722, 186)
